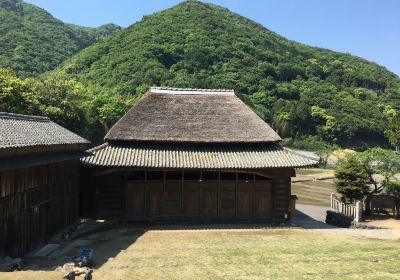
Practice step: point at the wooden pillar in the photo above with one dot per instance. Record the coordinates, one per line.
(145, 193)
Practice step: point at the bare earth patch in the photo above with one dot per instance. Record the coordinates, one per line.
(392, 224)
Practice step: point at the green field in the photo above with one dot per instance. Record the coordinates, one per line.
(261, 253)
(253, 254)
(314, 192)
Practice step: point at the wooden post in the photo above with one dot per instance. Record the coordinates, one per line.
(358, 211)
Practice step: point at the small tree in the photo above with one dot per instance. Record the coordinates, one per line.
(356, 174)
(351, 178)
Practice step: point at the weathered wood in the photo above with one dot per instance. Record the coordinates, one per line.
(35, 203)
(350, 210)
(212, 196)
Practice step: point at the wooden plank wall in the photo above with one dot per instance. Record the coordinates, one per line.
(35, 203)
(163, 197)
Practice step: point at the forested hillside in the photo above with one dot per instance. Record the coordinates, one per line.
(32, 41)
(300, 90)
(309, 94)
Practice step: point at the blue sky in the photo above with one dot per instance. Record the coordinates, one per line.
(366, 28)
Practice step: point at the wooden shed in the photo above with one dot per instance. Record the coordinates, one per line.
(39, 181)
(190, 154)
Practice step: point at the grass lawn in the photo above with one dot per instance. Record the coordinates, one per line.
(315, 171)
(245, 254)
(253, 254)
(314, 192)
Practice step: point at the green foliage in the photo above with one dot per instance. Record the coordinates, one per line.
(84, 110)
(356, 173)
(381, 161)
(302, 91)
(33, 42)
(351, 178)
(62, 100)
(299, 89)
(392, 132)
(393, 187)
(15, 95)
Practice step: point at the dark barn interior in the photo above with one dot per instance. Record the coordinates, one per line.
(188, 194)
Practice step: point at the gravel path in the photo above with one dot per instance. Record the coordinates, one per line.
(312, 217)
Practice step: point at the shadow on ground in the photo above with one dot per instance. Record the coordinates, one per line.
(308, 222)
(106, 245)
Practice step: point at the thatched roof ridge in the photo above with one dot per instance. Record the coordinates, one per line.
(191, 116)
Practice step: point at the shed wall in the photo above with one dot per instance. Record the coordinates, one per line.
(170, 196)
(35, 203)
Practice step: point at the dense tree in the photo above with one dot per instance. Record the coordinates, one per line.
(392, 132)
(306, 93)
(352, 180)
(299, 89)
(15, 94)
(33, 42)
(85, 110)
(356, 174)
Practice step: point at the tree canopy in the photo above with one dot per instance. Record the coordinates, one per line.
(33, 42)
(300, 90)
(306, 93)
(356, 174)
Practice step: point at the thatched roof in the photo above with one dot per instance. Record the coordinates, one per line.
(23, 131)
(191, 116)
(225, 157)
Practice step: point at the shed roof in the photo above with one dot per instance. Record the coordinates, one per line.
(191, 116)
(224, 157)
(23, 131)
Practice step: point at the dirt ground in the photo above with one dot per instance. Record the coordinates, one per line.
(390, 223)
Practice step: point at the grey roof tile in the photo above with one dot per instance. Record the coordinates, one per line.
(22, 131)
(196, 157)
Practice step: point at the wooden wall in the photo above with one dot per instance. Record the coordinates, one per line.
(35, 203)
(223, 195)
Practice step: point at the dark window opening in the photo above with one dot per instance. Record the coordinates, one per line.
(208, 176)
(258, 177)
(245, 177)
(173, 175)
(191, 175)
(231, 176)
(136, 175)
(155, 175)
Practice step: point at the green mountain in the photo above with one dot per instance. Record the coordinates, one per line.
(32, 41)
(301, 90)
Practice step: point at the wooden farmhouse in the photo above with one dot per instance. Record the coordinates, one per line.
(190, 154)
(39, 181)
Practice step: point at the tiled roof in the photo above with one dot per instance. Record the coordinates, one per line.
(196, 157)
(22, 131)
(191, 116)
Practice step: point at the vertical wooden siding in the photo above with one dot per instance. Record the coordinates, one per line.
(35, 203)
(162, 197)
